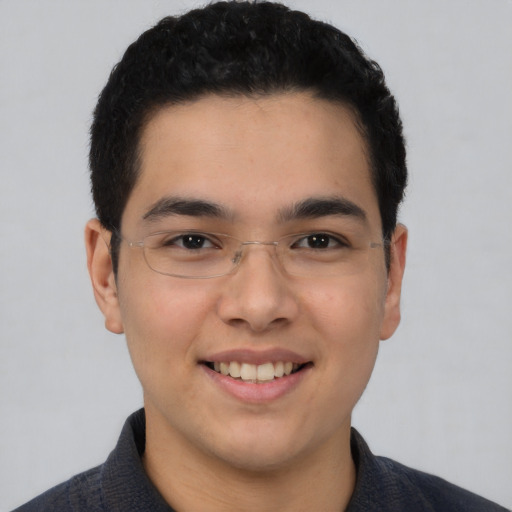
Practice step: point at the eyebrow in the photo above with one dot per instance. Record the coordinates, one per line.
(169, 206)
(310, 208)
(315, 207)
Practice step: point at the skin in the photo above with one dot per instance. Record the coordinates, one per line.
(254, 157)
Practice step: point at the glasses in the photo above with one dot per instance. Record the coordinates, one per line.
(198, 255)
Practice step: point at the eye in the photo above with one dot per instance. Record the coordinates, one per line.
(190, 241)
(320, 241)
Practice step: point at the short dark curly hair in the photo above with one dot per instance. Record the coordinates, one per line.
(239, 48)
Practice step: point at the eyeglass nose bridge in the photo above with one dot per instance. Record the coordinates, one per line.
(237, 258)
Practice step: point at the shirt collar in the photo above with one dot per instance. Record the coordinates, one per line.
(126, 486)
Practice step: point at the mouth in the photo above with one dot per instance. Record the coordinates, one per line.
(256, 373)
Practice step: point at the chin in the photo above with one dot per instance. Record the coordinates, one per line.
(258, 459)
(258, 448)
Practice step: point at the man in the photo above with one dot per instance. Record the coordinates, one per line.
(247, 164)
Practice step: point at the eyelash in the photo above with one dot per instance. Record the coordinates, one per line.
(337, 239)
(333, 241)
(180, 240)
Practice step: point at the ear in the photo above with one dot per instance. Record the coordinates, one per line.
(99, 263)
(395, 275)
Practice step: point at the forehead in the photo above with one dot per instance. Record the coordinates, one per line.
(253, 156)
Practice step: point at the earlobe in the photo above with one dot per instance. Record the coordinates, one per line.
(99, 264)
(398, 251)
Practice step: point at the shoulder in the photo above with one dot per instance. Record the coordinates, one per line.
(385, 485)
(119, 484)
(429, 492)
(80, 493)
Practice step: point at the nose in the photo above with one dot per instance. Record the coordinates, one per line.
(258, 295)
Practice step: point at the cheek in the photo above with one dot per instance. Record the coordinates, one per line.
(347, 319)
(161, 320)
(352, 308)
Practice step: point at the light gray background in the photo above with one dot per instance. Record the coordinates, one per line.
(441, 396)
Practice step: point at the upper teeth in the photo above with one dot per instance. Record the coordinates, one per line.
(255, 372)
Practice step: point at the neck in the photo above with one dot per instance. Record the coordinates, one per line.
(189, 479)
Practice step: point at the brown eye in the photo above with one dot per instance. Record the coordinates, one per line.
(190, 241)
(319, 241)
(193, 241)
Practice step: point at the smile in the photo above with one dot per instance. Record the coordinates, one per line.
(255, 373)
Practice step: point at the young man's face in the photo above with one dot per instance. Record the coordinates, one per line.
(255, 161)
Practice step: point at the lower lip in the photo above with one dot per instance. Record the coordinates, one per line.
(257, 393)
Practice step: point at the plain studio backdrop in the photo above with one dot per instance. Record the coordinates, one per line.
(440, 398)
